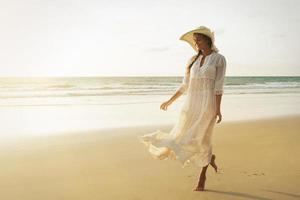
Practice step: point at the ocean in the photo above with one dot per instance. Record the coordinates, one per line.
(100, 90)
(47, 106)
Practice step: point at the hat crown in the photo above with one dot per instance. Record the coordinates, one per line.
(206, 31)
(203, 27)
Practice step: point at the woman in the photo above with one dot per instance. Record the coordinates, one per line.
(190, 138)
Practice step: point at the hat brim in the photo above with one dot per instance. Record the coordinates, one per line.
(188, 37)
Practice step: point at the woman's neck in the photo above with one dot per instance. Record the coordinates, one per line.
(206, 52)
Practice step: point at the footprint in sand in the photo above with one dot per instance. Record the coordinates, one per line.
(254, 174)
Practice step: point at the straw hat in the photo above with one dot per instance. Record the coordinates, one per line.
(188, 37)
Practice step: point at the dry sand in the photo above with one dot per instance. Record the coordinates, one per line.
(258, 160)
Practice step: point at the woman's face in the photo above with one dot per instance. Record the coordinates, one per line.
(200, 41)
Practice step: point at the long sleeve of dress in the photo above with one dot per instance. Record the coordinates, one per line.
(184, 84)
(220, 76)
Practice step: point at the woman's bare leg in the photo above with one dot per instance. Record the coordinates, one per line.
(213, 163)
(202, 178)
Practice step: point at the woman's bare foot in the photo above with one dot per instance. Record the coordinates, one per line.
(201, 184)
(212, 162)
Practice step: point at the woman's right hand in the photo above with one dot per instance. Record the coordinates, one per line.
(165, 105)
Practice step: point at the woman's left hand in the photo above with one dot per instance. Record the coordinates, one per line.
(219, 115)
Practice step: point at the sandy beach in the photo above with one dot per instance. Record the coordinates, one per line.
(82, 81)
(257, 160)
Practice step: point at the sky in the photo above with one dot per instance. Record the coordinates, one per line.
(141, 37)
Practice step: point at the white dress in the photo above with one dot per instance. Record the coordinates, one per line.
(190, 138)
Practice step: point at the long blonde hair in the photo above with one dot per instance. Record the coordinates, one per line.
(193, 59)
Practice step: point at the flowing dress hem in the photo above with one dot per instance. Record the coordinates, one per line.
(163, 149)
